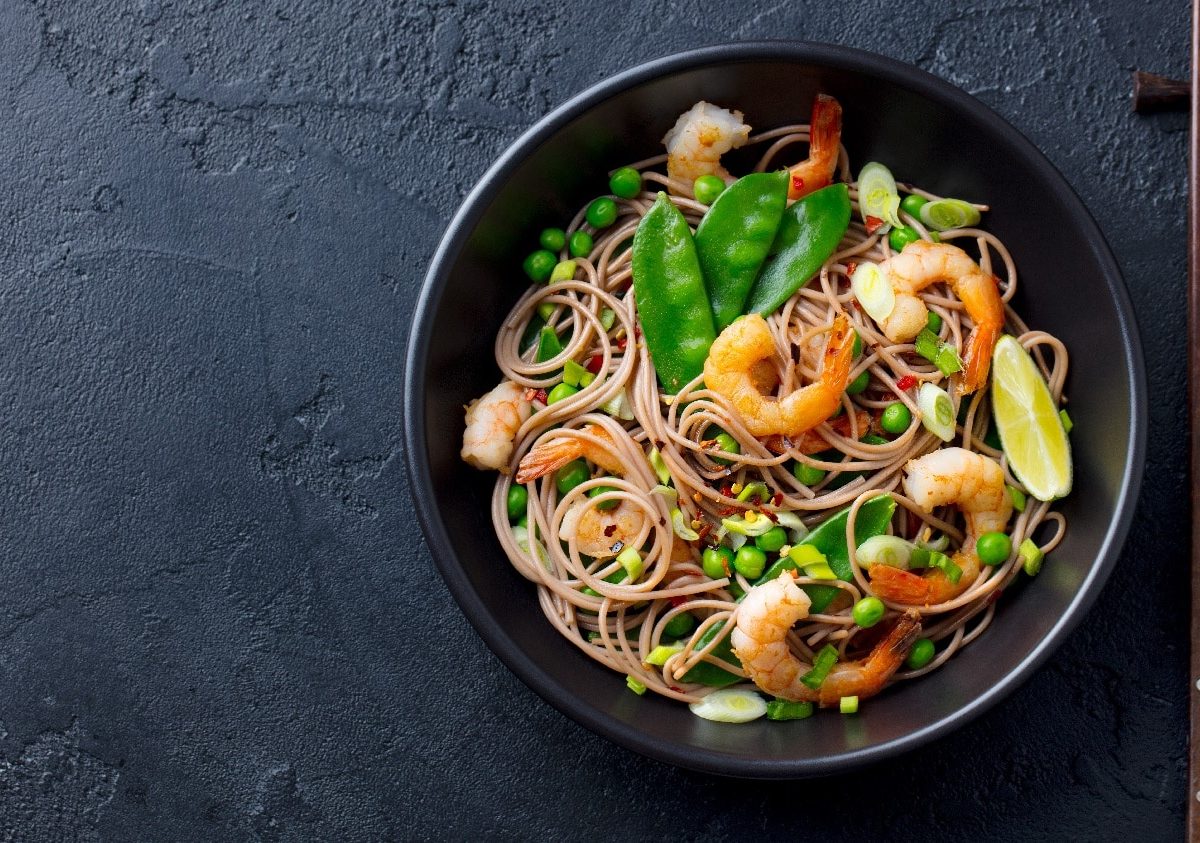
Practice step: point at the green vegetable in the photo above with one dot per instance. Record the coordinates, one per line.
(680, 526)
(1018, 498)
(659, 655)
(549, 345)
(772, 540)
(926, 344)
(671, 300)
(731, 705)
(706, 189)
(892, 551)
(944, 214)
(553, 239)
(912, 204)
(933, 321)
(580, 244)
(517, 501)
(600, 490)
(848, 705)
(563, 390)
(757, 489)
(859, 384)
(877, 194)
(900, 237)
(571, 475)
(809, 232)
(660, 466)
(896, 417)
(728, 444)
(946, 565)
(1031, 557)
(809, 475)
(857, 348)
(829, 537)
(574, 374)
(873, 290)
(631, 561)
(921, 654)
(539, 265)
(563, 271)
(1067, 424)
(616, 577)
(608, 318)
(937, 411)
(788, 710)
(680, 625)
(601, 213)
(625, 182)
(634, 685)
(750, 561)
(947, 360)
(868, 612)
(734, 237)
(993, 548)
(717, 562)
(812, 562)
(822, 664)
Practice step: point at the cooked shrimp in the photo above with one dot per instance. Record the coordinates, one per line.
(923, 263)
(602, 533)
(728, 372)
(812, 442)
(492, 424)
(948, 476)
(759, 640)
(554, 454)
(699, 138)
(825, 135)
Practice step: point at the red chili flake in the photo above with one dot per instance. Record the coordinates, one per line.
(609, 530)
(906, 383)
(851, 267)
(675, 689)
(704, 531)
(797, 184)
(777, 498)
(726, 511)
(540, 395)
(595, 363)
(771, 516)
(727, 490)
(637, 330)
(872, 224)
(622, 342)
(678, 600)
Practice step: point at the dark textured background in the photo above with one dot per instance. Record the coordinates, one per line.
(217, 618)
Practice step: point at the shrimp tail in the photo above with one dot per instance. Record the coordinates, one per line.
(553, 455)
(893, 649)
(979, 357)
(812, 442)
(870, 676)
(825, 135)
(898, 585)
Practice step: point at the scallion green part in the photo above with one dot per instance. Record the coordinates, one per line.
(1031, 557)
(634, 685)
(822, 664)
(789, 710)
(631, 561)
(660, 467)
(1067, 424)
(608, 318)
(573, 373)
(1017, 497)
(563, 271)
(848, 705)
(659, 655)
(756, 489)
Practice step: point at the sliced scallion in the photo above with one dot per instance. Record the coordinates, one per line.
(937, 411)
(789, 710)
(822, 664)
(573, 373)
(681, 527)
(634, 685)
(1031, 557)
(877, 194)
(892, 551)
(1018, 498)
(660, 467)
(848, 705)
(659, 655)
(1067, 424)
(730, 705)
(631, 561)
(608, 318)
(944, 214)
(873, 291)
(756, 489)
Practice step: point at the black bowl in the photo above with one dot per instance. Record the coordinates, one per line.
(927, 131)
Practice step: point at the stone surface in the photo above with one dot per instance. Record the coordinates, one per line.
(219, 620)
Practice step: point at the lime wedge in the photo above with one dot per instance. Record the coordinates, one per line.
(944, 214)
(1031, 430)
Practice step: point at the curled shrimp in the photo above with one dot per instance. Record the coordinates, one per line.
(923, 263)
(759, 640)
(812, 442)
(948, 476)
(603, 533)
(728, 371)
(699, 138)
(553, 454)
(825, 135)
(492, 424)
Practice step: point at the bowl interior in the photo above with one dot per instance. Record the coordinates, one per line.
(926, 132)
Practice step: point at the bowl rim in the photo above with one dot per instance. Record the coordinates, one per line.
(836, 57)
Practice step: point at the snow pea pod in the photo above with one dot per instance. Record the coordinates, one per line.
(671, 300)
(733, 240)
(808, 234)
(829, 537)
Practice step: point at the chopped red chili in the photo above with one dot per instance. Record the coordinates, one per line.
(851, 267)
(797, 184)
(595, 363)
(540, 395)
(872, 224)
(678, 600)
(622, 343)
(609, 530)
(727, 490)
(771, 516)
(777, 498)
(906, 383)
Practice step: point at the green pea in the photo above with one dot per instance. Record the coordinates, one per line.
(934, 322)
(518, 501)
(920, 655)
(602, 212)
(707, 189)
(896, 417)
(900, 237)
(728, 444)
(859, 384)
(680, 625)
(993, 548)
(553, 239)
(625, 182)
(539, 265)
(868, 612)
(772, 539)
(912, 204)
(563, 390)
(749, 561)
(717, 562)
(809, 475)
(600, 490)
(571, 475)
(580, 244)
